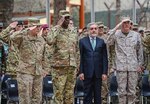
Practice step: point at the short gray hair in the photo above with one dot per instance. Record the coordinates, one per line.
(92, 23)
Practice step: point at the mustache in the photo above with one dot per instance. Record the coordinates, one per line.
(94, 32)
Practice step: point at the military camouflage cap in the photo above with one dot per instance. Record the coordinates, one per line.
(135, 26)
(125, 19)
(105, 28)
(20, 23)
(147, 32)
(64, 13)
(33, 22)
(100, 24)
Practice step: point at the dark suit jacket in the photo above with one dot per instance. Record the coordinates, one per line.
(93, 62)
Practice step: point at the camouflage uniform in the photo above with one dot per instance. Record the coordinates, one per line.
(129, 56)
(82, 35)
(104, 89)
(146, 44)
(30, 68)
(48, 52)
(112, 68)
(64, 63)
(13, 57)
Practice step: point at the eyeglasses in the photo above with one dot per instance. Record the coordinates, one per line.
(19, 25)
(67, 18)
(93, 28)
(70, 23)
(100, 27)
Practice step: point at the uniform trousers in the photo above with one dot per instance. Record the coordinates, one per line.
(30, 88)
(63, 82)
(127, 82)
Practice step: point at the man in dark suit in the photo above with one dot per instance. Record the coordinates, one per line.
(93, 64)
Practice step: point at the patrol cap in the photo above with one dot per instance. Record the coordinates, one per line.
(105, 28)
(147, 32)
(20, 23)
(64, 13)
(141, 31)
(100, 24)
(131, 22)
(125, 19)
(135, 26)
(33, 21)
(1, 24)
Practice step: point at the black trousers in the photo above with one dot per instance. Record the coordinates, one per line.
(92, 88)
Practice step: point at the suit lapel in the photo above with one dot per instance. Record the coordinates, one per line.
(89, 43)
(96, 43)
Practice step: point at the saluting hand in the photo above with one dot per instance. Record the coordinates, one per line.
(44, 73)
(104, 77)
(60, 22)
(31, 28)
(118, 25)
(13, 24)
(81, 76)
(140, 69)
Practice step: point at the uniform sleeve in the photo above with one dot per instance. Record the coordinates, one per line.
(146, 41)
(111, 37)
(146, 44)
(81, 57)
(4, 35)
(17, 37)
(46, 60)
(111, 57)
(51, 38)
(140, 51)
(77, 49)
(78, 56)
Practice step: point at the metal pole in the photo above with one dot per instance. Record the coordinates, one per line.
(48, 12)
(109, 12)
(92, 11)
(134, 12)
(118, 11)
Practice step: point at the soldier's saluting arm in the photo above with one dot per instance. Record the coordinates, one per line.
(4, 35)
(146, 40)
(51, 38)
(111, 38)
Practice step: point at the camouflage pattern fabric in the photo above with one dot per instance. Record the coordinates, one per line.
(64, 63)
(122, 46)
(34, 93)
(104, 88)
(13, 57)
(31, 53)
(64, 42)
(146, 44)
(82, 35)
(132, 81)
(127, 62)
(64, 82)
